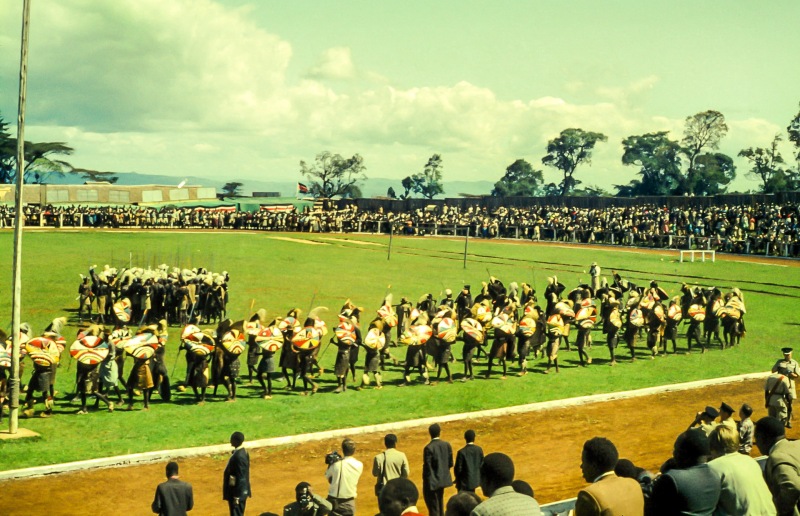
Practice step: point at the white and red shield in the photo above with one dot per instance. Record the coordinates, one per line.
(636, 318)
(233, 342)
(252, 327)
(697, 312)
(43, 351)
(674, 312)
(447, 330)
(474, 329)
(289, 324)
(5, 358)
(89, 349)
(375, 339)
(388, 316)
(586, 316)
(346, 333)
(527, 326)
(555, 324)
(306, 339)
(564, 309)
(142, 345)
(122, 309)
(270, 338)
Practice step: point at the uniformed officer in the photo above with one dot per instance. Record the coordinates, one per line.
(788, 367)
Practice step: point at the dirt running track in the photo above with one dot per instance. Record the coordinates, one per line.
(545, 446)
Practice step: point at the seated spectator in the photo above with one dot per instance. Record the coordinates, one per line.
(782, 469)
(462, 504)
(522, 487)
(743, 488)
(307, 503)
(399, 496)
(745, 429)
(497, 474)
(690, 486)
(627, 469)
(608, 493)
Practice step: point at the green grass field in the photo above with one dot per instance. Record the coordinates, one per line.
(281, 274)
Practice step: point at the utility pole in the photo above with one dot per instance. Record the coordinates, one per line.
(19, 221)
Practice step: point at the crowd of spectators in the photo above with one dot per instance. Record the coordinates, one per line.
(770, 229)
(709, 473)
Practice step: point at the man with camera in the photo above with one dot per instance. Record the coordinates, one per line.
(307, 503)
(343, 474)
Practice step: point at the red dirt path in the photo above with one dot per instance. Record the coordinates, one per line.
(545, 446)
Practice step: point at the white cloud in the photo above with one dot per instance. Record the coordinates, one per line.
(335, 63)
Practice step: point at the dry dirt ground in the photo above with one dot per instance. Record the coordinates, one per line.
(545, 446)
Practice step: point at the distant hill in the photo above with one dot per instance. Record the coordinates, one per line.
(373, 187)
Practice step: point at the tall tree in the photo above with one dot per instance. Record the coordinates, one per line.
(766, 166)
(571, 148)
(794, 136)
(232, 189)
(40, 158)
(95, 175)
(713, 173)
(408, 184)
(521, 180)
(331, 174)
(702, 133)
(659, 162)
(428, 183)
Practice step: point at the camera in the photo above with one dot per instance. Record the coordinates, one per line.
(305, 499)
(332, 457)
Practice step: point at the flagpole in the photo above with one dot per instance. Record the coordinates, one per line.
(19, 222)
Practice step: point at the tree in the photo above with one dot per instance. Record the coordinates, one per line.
(94, 175)
(713, 173)
(391, 194)
(794, 137)
(659, 162)
(428, 183)
(702, 132)
(570, 149)
(331, 175)
(766, 166)
(232, 189)
(408, 184)
(520, 179)
(40, 159)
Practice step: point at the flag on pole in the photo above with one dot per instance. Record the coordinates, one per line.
(302, 188)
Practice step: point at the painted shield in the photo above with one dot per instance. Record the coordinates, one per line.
(346, 333)
(200, 344)
(120, 336)
(674, 312)
(252, 328)
(5, 358)
(531, 312)
(192, 333)
(289, 324)
(306, 339)
(636, 318)
(564, 309)
(89, 349)
(483, 314)
(388, 316)
(122, 309)
(233, 342)
(697, 312)
(447, 330)
(527, 326)
(555, 324)
(413, 314)
(142, 345)
(615, 319)
(586, 317)
(61, 343)
(474, 329)
(375, 339)
(43, 351)
(647, 302)
(321, 327)
(658, 312)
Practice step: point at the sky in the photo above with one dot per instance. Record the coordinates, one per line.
(245, 89)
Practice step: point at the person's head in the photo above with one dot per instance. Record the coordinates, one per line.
(497, 471)
(787, 353)
(768, 432)
(709, 414)
(469, 436)
(462, 504)
(237, 438)
(691, 448)
(626, 469)
(725, 411)
(599, 456)
(348, 447)
(435, 430)
(390, 440)
(522, 487)
(303, 495)
(746, 411)
(396, 496)
(172, 469)
(722, 440)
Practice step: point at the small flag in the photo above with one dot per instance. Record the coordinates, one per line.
(302, 188)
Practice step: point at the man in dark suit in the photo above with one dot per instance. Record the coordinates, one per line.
(236, 479)
(468, 464)
(437, 459)
(173, 497)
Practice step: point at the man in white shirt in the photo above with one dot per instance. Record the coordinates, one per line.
(343, 476)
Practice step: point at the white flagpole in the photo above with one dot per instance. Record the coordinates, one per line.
(19, 221)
